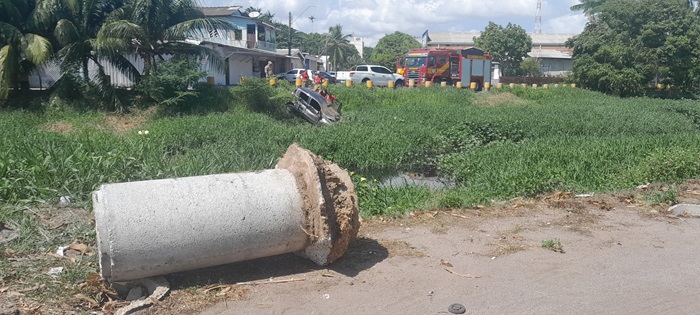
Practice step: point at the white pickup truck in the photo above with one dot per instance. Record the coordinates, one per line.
(379, 75)
(342, 76)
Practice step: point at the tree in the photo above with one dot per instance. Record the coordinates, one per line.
(153, 29)
(338, 47)
(76, 24)
(391, 47)
(633, 43)
(507, 46)
(531, 67)
(367, 54)
(266, 17)
(22, 47)
(589, 7)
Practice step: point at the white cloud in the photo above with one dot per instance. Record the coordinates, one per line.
(372, 19)
(570, 23)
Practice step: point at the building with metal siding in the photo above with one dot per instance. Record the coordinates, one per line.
(550, 49)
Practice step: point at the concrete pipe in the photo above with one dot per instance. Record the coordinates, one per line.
(147, 228)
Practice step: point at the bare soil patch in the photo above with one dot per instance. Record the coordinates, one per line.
(60, 126)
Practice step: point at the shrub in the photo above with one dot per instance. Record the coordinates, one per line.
(169, 84)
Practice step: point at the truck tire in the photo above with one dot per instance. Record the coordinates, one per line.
(479, 86)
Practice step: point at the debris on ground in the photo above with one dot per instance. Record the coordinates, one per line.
(156, 287)
(7, 234)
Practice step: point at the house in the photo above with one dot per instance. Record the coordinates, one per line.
(555, 58)
(299, 59)
(246, 50)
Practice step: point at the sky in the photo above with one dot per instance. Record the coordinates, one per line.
(373, 19)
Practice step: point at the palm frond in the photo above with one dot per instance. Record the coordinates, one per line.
(66, 32)
(8, 68)
(121, 29)
(9, 33)
(199, 28)
(38, 48)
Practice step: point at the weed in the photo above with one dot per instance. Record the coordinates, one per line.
(553, 245)
(668, 197)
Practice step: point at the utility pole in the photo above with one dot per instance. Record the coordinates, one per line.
(289, 39)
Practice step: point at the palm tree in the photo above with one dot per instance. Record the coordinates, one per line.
(153, 29)
(76, 28)
(312, 18)
(589, 7)
(338, 46)
(22, 49)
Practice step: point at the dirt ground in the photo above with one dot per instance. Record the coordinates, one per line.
(611, 254)
(617, 255)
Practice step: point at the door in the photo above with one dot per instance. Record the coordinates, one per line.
(382, 76)
(251, 38)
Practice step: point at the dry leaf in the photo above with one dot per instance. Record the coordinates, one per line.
(93, 280)
(14, 294)
(32, 288)
(215, 287)
(80, 247)
(458, 215)
(3, 290)
(224, 291)
(93, 303)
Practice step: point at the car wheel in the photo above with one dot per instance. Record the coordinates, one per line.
(398, 84)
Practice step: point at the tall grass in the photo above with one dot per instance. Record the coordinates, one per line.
(557, 139)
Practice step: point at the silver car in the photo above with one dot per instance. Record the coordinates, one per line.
(313, 107)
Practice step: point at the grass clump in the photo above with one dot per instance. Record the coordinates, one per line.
(553, 245)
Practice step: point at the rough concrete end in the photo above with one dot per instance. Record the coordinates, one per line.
(329, 203)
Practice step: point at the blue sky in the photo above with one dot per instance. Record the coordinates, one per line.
(372, 19)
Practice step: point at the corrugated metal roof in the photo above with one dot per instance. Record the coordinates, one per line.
(220, 11)
(453, 38)
(467, 38)
(550, 54)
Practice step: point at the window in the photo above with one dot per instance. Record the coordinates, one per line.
(214, 33)
(545, 68)
(361, 68)
(237, 34)
(431, 62)
(315, 105)
(442, 60)
(381, 70)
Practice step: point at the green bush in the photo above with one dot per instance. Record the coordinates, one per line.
(169, 83)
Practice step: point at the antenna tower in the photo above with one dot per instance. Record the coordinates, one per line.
(538, 18)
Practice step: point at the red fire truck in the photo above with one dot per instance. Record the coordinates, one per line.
(446, 65)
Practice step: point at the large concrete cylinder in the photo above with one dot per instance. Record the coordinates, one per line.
(157, 227)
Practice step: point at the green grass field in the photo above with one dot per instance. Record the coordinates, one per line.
(494, 145)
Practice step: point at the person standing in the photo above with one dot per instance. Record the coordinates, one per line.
(268, 70)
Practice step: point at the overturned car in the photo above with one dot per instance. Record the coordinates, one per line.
(314, 107)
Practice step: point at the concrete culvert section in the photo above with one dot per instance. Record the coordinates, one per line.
(147, 228)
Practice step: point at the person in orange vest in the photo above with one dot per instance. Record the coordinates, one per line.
(317, 80)
(304, 78)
